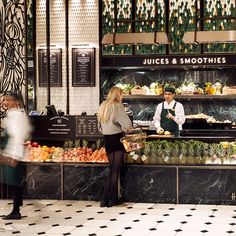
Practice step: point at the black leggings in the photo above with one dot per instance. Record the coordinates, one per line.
(17, 198)
(110, 191)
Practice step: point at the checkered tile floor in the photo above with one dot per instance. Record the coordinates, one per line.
(80, 218)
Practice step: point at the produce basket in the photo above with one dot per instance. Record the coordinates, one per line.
(133, 142)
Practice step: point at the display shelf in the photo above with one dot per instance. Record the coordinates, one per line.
(185, 97)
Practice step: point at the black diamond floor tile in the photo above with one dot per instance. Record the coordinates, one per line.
(103, 226)
(230, 232)
(37, 210)
(67, 234)
(152, 229)
(16, 232)
(122, 213)
(54, 225)
(78, 226)
(49, 204)
(214, 209)
(32, 224)
(143, 214)
(171, 209)
(92, 234)
(136, 220)
(91, 218)
(234, 217)
(204, 231)
(8, 223)
(40, 233)
(89, 205)
(232, 224)
(100, 212)
(150, 208)
(68, 218)
(68, 205)
(128, 227)
(183, 222)
(178, 230)
(166, 215)
(58, 211)
(208, 223)
(45, 217)
(79, 211)
(160, 221)
(211, 216)
(193, 209)
(113, 219)
(129, 207)
(29, 204)
(188, 215)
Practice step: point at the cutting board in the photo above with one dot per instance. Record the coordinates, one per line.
(161, 136)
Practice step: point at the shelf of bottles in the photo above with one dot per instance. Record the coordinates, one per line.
(181, 20)
(219, 8)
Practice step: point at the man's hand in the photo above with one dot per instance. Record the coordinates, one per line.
(160, 130)
(170, 116)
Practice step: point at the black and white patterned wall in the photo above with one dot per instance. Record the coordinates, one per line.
(12, 48)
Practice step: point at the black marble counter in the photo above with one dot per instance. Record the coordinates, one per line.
(195, 184)
(208, 184)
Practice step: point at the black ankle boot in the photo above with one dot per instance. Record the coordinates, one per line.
(12, 216)
(103, 203)
(114, 202)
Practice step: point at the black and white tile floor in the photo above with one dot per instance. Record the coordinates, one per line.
(80, 218)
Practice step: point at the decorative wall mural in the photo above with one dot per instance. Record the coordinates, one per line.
(12, 48)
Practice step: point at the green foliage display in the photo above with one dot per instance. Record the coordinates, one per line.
(181, 19)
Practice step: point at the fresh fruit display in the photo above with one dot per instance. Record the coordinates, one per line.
(188, 87)
(71, 152)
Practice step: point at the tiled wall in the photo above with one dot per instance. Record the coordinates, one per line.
(84, 30)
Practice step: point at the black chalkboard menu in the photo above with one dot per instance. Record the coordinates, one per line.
(83, 67)
(87, 126)
(53, 127)
(55, 67)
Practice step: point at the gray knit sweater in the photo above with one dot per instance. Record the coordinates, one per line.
(120, 122)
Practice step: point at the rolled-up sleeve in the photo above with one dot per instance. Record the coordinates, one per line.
(179, 114)
(157, 117)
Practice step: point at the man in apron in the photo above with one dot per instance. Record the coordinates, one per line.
(169, 115)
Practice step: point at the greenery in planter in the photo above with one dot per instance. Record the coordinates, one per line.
(185, 152)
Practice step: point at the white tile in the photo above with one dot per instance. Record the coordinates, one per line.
(85, 230)
(136, 232)
(96, 223)
(162, 233)
(60, 229)
(110, 231)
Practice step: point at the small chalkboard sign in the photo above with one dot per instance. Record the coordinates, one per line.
(55, 67)
(87, 126)
(83, 67)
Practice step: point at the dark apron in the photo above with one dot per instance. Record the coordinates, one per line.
(168, 124)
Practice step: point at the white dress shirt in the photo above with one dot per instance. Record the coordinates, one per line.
(179, 113)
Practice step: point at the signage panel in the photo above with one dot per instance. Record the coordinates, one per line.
(83, 67)
(55, 67)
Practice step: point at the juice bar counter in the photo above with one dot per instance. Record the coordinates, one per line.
(195, 184)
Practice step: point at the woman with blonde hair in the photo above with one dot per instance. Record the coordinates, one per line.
(113, 122)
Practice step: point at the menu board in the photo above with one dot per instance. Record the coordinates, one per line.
(55, 67)
(83, 67)
(87, 126)
(53, 127)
